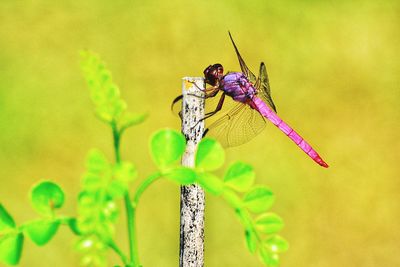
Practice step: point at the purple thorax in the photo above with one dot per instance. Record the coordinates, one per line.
(236, 85)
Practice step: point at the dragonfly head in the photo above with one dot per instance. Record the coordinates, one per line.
(214, 74)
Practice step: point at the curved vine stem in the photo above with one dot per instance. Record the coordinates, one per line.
(132, 213)
(234, 201)
(143, 186)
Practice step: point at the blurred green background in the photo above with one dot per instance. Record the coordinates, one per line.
(334, 71)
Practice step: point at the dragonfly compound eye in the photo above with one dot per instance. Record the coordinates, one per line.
(220, 70)
(213, 73)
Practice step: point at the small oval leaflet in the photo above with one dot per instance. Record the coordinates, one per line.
(181, 175)
(251, 241)
(167, 147)
(11, 248)
(42, 231)
(210, 155)
(211, 183)
(96, 161)
(270, 259)
(276, 244)
(110, 210)
(258, 199)
(6, 221)
(129, 119)
(104, 92)
(240, 176)
(269, 223)
(46, 196)
(124, 171)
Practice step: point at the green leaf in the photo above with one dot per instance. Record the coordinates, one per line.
(116, 189)
(94, 251)
(181, 175)
(129, 119)
(86, 243)
(6, 221)
(125, 172)
(210, 155)
(258, 199)
(73, 225)
(104, 93)
(269, 259)
(269, 223)
(232, 198)
(98, 172)
(92, 182)
(251, 240)
(210, 183)
(276, 244)
(240, 176)
(99, 258)
(41, 231)
(110, 211)
(46, 196)
(167, 147)
(87, 199)
(11, 248)
(96, 161)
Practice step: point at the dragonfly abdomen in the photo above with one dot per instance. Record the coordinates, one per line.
(268, 113)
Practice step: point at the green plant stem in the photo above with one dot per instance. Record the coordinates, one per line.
(236, 203)
(116, 138)
(117, 250)
(130, 215)
(130, 211)
(143, 186)
(130, 206)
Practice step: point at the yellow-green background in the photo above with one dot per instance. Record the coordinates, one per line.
(334, 72)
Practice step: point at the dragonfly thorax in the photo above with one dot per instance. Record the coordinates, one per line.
(236, 85)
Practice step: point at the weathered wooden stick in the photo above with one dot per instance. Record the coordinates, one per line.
(192, 196)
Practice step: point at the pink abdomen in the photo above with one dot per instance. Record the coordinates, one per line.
(268, 113)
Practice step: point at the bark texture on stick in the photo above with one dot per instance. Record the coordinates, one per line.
(192, 196)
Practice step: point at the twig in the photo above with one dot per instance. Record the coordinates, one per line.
(192, 196)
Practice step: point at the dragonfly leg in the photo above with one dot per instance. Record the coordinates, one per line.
(177, 99)
(195, 84)
(214, 92)
(205, 132)
(218, 108)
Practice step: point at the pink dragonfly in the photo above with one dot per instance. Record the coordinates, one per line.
(253, 106)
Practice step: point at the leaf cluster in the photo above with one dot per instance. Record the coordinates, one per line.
(105, 183)
(46, 198)
(105, 94)
(250, 201)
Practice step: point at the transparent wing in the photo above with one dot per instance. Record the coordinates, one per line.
(238, 126)
(262, 86)
(246, 71)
